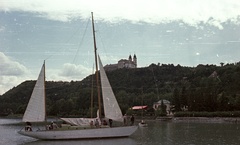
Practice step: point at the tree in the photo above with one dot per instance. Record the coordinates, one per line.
(176, 100)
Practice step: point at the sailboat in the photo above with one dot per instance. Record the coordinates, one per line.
(36, 112)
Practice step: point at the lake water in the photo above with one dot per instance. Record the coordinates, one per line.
(157, 133)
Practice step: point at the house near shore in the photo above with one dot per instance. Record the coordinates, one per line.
(142, 110)
(167, 103)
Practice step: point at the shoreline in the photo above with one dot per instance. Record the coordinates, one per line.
(207, 119)
(168, 118)
(195, 119)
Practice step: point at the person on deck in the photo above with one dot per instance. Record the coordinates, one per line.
(105, 122)
(28, 126)
(53, 125)
(97, 123)
(132, 120)
(125, 120)
(110, 122)
(91, 124)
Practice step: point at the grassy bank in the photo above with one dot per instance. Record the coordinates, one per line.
(208, 114)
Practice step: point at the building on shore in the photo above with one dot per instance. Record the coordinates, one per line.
(123, 63)
(167, 103)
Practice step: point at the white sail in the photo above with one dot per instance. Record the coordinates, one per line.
(36, 111)
(111, 107)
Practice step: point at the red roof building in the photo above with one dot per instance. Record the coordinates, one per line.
(139, 107)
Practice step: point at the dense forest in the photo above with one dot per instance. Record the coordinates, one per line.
(205, 88)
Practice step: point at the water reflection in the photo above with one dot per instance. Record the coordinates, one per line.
(157, 133)
(117, 141)
(186, 133)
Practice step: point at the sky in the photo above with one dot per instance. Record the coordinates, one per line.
(185, 32)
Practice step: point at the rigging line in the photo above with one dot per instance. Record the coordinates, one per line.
(63, 49)
(73, 34)
(81, 42)
(103, 44)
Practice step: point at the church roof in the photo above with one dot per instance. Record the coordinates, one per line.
(130, 57)
(164, 102)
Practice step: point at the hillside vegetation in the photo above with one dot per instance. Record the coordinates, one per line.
(205, 88)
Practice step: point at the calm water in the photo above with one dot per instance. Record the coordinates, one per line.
(158, 133)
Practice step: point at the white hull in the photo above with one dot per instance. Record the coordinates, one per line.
(114, 132)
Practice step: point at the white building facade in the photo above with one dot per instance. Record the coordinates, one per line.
(123, 63)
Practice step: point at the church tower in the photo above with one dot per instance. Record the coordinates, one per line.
(130, 58)
(135, 60)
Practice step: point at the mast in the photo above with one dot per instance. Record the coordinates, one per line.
(45, 91)
(142, 103)
(96, 62)
(92, 94)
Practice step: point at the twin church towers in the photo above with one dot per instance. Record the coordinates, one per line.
(131, 62)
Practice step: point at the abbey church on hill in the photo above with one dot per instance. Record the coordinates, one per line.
(123, 63)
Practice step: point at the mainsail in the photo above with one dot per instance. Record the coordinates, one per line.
(36, 111)
(111, 107)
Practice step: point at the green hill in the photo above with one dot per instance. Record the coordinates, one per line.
(203, 88)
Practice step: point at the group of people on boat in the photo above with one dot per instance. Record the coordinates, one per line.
(52, 126)
(96, 123)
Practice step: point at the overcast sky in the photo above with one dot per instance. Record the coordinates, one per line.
(185, 32)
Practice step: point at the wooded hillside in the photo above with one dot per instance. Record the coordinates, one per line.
(202, 88)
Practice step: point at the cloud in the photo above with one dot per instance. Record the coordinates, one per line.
(11, 73)
(74, 72)
(7, 82)
(10, 67)
(192, 12)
